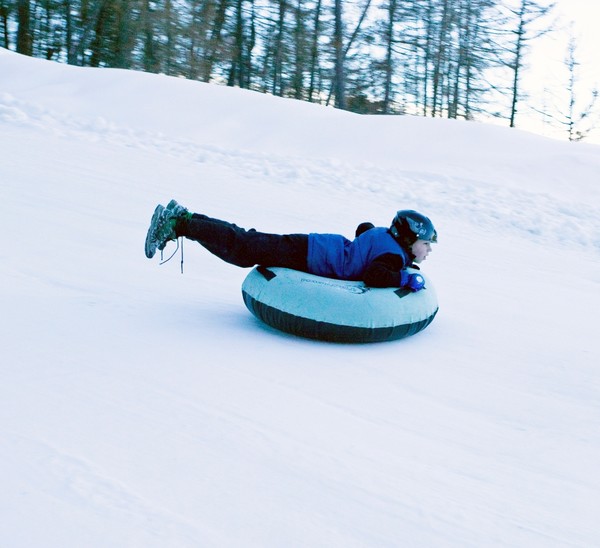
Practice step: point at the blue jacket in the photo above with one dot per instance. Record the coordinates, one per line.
(334, 256)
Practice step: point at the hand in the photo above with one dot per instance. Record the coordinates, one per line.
(414, 282)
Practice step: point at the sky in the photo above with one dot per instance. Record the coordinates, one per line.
(547, 67)
(142, 407)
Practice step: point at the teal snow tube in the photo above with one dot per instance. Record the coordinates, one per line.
(336, 310)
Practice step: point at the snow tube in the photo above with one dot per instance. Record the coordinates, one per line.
(336, 310)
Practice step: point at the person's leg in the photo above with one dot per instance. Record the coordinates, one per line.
(245, 248)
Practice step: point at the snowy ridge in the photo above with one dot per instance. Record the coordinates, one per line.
(538, 215)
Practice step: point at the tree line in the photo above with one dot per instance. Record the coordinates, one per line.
(441, 58)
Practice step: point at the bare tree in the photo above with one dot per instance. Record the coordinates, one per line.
(215, 38)
(24, 30)
(527, 13)
(338, 46)
(425, 56)
(86, 22)
(341, 49)
(575, 118)
(301, 50)
(314, 86)
(578, 122)
(4, 15)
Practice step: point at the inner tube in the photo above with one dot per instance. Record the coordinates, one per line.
(336, 310)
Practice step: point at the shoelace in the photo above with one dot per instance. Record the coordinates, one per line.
(173, 254)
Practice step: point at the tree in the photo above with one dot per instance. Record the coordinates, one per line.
(4, 16)
(301, 50)
(235, 44)
(577, 121)
(314, 86)
(431, 57)
(215, 38)
(576, 118)
(24, 30)
(389, 55)
(81, 28)
(341, 50)
(339, 77)
(278, 49)
(472, 56)
(527, 13)
(436, 55)
(150, 55)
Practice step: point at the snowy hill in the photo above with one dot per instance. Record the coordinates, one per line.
(145, 408)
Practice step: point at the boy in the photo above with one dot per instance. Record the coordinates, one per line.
(378, 255)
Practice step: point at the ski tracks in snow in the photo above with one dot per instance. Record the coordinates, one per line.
(486, 205)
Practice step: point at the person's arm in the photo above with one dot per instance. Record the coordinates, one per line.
(389, 271)
(384, 271)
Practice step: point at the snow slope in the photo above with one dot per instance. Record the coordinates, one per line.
(144, 408)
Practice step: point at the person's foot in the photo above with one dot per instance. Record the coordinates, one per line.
(162, 227)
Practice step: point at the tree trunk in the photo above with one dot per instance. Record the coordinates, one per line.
(4, 23)
(90, 22)
(150, 57)
(314, 53)
(340, 76)
(210, 57)
(236, 71)
(389, 68)
(517, 64)
(24, 33)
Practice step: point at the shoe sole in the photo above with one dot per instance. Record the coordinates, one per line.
(151, 244)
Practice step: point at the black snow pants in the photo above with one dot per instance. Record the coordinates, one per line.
(245, 248)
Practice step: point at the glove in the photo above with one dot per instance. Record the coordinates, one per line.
(414, 282)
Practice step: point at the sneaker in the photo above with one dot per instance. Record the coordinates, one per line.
(175, 209)
(162, 227)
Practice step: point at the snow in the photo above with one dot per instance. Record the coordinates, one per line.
(144, 408)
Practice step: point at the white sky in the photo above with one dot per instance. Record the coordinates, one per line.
(547, 69)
